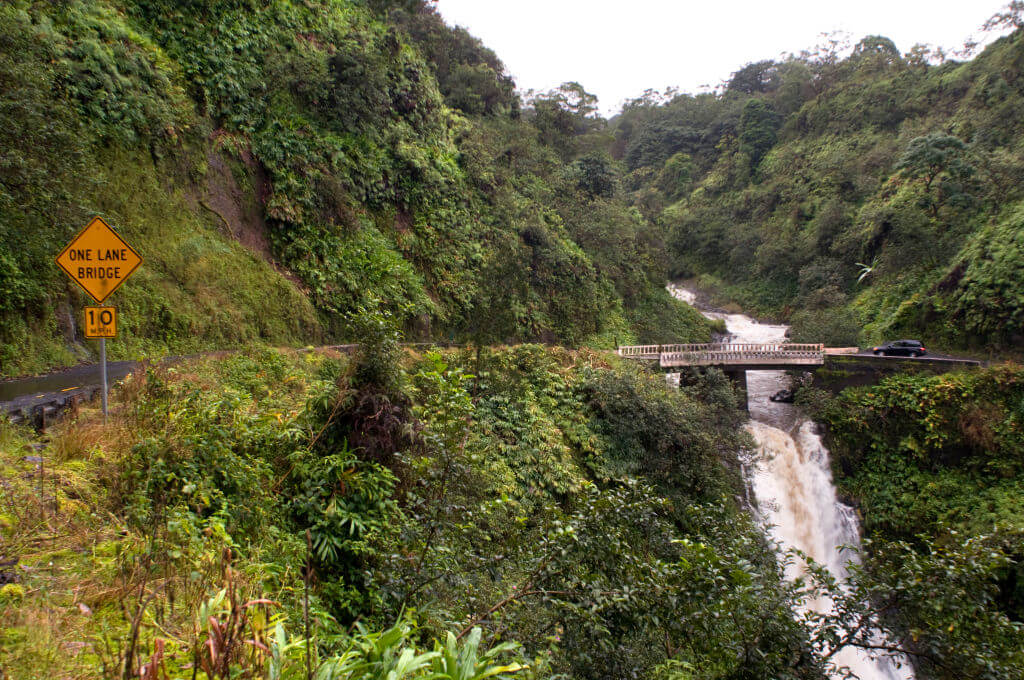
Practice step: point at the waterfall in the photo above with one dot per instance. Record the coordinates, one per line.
(792, 483)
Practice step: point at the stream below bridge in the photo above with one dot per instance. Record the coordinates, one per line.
(791, 480)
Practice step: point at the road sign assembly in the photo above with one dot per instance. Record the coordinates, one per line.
(99, 261)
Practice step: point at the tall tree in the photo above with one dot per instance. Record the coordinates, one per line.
(758, 125)
(754, 78)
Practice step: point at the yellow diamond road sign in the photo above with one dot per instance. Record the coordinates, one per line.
(99, 260)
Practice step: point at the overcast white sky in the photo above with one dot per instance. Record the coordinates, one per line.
(618, 48)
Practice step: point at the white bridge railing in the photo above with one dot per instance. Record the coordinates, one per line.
(729, 353)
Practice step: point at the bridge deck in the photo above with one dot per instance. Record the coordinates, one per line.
(737, 354)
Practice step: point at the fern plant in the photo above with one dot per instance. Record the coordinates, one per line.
(467, 662)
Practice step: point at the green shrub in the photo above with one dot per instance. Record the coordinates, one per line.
(669, 437)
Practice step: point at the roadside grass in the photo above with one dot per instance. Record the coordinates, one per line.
(86, 581)
(55, 525)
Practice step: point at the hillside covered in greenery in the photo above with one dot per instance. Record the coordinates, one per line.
(868, 194)
(523, 506)
(284, 165)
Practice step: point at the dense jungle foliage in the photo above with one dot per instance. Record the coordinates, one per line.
(522, 512)
(280, 164)
(579, 508)
(868, 194)
(935, 463)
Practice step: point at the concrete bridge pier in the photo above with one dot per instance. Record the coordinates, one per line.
(738, 377)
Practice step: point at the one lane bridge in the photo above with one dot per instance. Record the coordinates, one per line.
(735, 355)
(850, 366)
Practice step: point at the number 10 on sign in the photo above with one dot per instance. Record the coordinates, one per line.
(100, 323)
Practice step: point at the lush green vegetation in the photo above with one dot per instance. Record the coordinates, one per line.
(302, 172)
(281, 164)
(579, 508)
(933, 463)
(269, 512)
(875, 195)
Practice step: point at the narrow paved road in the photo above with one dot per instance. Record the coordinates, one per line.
(930, 356)
(83, 382)
(79, 381)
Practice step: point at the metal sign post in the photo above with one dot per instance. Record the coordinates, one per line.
(103, 371)
(100, 324)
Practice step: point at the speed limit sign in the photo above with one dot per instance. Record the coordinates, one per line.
(100, 323)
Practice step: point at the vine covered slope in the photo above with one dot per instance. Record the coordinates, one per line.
(282, 165)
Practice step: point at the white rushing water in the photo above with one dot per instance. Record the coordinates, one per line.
(792, 482)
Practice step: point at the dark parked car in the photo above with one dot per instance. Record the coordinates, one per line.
(901, 348)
